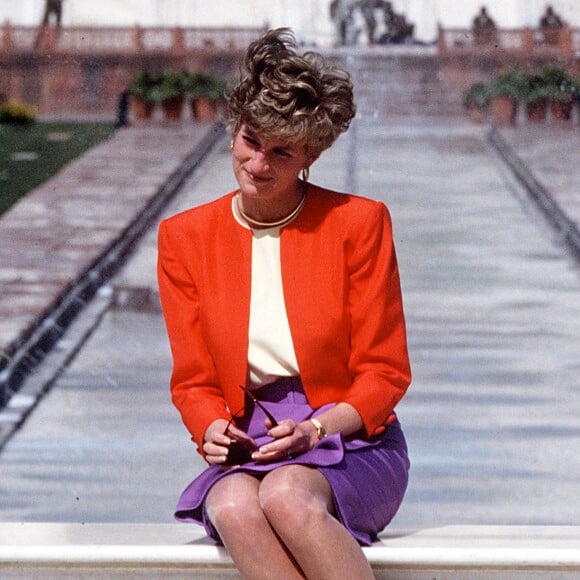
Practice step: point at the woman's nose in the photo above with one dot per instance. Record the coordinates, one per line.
(259, 161)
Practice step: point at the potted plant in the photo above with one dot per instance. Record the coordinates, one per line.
(536, 97)
(562, 104)
(505, 93)
(204, 90)
(563, 89)
(475, 100)
(141, 91)
(170, 94)
(191, 89)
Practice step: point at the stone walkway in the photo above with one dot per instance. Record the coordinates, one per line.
(554, 158)
(60, 242)
(491, 299)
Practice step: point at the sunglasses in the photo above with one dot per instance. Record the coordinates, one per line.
(240, 450)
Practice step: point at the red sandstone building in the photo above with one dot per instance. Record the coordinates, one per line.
(72, 71)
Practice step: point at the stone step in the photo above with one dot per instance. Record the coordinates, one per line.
(401, 84)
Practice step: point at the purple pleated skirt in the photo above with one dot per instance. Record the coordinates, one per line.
(368, 477)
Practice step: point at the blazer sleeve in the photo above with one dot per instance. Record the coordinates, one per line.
(378, 362)
(195, 389)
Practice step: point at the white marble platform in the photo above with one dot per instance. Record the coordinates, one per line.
(60, 550)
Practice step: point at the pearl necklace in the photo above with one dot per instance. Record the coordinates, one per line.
(282, 222)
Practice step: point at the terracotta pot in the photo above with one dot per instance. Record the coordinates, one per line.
(173, 108)
(204, 109)
(142, 109)
(477, 114)
(503, 111)
(537, 111)
(562, 110)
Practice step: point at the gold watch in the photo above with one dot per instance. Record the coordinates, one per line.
(320, 430)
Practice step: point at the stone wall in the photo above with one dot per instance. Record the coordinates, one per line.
(82, 71)
(72, 86)
(68, 80)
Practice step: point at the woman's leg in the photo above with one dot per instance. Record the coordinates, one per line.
(233, 508)
(297, 501)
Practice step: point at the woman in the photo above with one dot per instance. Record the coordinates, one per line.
(291, 292)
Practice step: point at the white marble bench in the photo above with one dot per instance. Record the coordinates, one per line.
(56, 550)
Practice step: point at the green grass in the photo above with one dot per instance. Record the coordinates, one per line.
(30, 154)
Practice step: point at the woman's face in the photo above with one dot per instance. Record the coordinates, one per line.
(266, 168)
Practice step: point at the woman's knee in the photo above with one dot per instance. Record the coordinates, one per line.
(295, 496)
(232, 502)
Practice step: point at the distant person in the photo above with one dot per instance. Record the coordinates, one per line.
(401, 30)
(397, 29)
(550, 25)
(284, 313)
(368, 8)
(52, 13)
(483, 21)
(550, 19)
(484, 28)
(52, 10)
(339, 16)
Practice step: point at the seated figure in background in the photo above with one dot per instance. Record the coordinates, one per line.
(550, 19)
(52, 8)
(551, 24)
(484, 28)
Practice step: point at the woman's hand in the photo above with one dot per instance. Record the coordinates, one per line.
(290, 439)
(216, 442)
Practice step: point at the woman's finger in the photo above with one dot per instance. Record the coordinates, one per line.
(235, 433)
(283, 429)
(214, 448)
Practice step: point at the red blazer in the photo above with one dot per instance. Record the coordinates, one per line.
(342, 295)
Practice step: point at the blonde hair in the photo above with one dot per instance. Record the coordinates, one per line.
(297, 98)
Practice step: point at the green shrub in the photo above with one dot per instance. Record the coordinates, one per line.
(477, 95)
(536, 89)
(203, 85)
(555, 75)
(170, 86)
(561, 85)
(157, 87)
(144, 85)
(511, 83)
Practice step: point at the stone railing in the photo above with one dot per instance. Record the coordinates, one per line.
(123, 40)
(82, 71)
(559, 43)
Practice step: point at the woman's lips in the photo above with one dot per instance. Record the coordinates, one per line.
(258, 178)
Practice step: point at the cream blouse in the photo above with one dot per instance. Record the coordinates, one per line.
(271, 351)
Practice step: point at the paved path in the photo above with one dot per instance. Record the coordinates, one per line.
(61, 242)
(554, 160)
(61, 228)
(492, 306)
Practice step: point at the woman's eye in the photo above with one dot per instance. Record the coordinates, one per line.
(250, 141)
